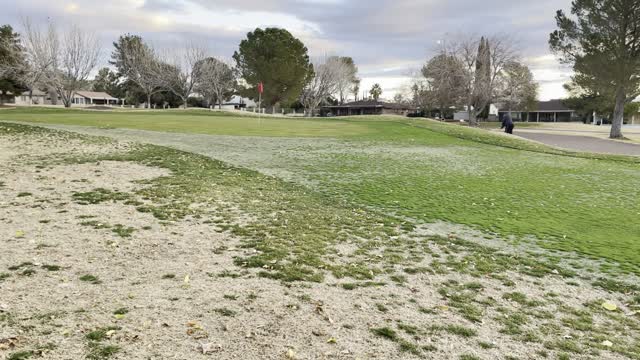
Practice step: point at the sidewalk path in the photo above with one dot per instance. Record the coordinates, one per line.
(583, 143)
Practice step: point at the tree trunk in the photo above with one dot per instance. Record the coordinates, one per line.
(185, 103)
(472, 117)
(149, 101)
(66, 98)
(618, 114)
(220, 103)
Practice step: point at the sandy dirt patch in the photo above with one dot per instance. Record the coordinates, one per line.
(103, 280)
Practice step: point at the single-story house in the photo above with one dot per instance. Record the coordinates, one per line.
(367, 107)
(544, 111)
(83, 98)
(36, 97)
(93, 98)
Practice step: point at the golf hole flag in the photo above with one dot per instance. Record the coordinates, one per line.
(260, 87)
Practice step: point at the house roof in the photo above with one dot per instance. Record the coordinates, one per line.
(370, 104)
(553, 105)
(95, 95)
(35, 92)
(556, 105)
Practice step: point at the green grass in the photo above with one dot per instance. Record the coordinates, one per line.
(98, 196)
(413, 168)
(21, 265)
(225, 312)
(469, 357)
(97, 350)
(121, 311)
(123, 231)
(419, 169)
(20, 355)
(101, 352)
(222, 123)
(201, 122)
(90, 279)
(458, 330)
(100, 334)
(430, 171)
(51, 267)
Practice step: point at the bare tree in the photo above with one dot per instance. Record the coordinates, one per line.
(60, 62)
(216, 79)
(483, 61)
(517, 90)
(138, 63)
(328, 73)
(446, 80)
(76, 60)
(348, 78)
(41, 50)
(179, 72)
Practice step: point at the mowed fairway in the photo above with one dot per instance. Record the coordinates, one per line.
(201, 122)
(210, 236)
(568, 203)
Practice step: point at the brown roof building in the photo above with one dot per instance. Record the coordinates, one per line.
(545, 111)
(367, 107)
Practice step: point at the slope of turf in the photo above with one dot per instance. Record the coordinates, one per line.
(193, 121)
(426, 171)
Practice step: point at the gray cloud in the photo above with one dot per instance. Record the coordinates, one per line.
(163, 5)
(386, 38)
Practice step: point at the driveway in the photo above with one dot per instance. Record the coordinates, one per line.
(582, 143)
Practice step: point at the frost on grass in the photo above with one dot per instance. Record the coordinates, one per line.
(240, 264)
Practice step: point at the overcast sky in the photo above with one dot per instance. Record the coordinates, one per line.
(387, 38)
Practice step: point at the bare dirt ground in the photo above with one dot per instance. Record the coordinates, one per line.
(82, 279)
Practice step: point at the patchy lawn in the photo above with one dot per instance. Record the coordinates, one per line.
(139, 251)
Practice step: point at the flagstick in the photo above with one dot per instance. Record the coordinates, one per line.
(260, 108)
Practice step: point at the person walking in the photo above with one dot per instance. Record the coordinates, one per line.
(507, 124)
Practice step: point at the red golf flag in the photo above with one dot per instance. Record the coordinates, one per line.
(260, 88)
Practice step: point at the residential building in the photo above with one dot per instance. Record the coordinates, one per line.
(544, 111)
(36, 97)
(80, 98)
(367, 107)
(89, 98)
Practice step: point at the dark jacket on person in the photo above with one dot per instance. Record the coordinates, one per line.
(507, 124)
